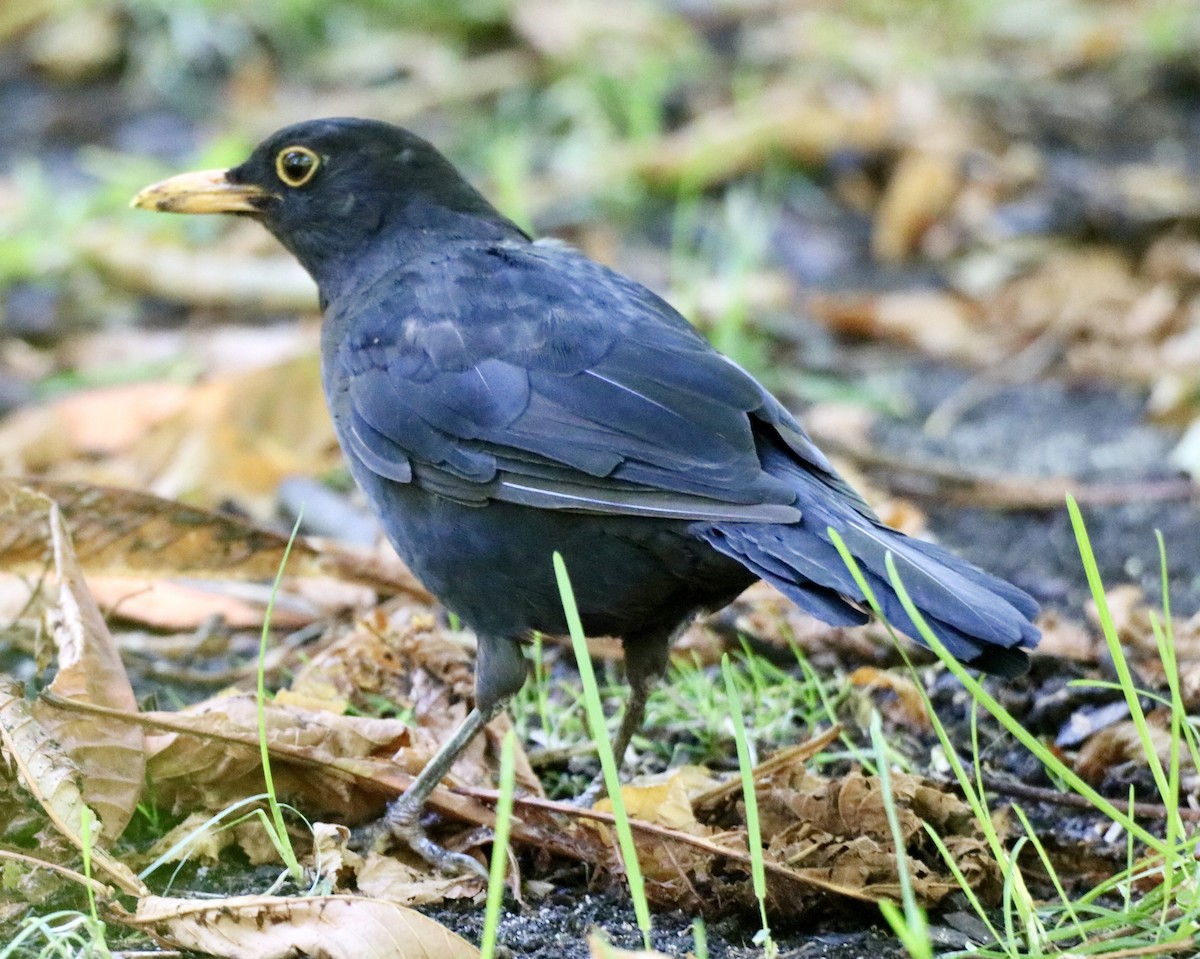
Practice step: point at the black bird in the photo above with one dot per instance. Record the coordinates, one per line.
(499, 398)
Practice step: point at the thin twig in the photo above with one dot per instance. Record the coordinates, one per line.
(1142, 810)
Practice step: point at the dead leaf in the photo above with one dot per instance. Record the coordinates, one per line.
(903, 704)
(331, 855)
(403, 656)
(108, 420)
(53, 779)
(176, 607)
(1120, 743)
(110, 755)
(192, 840)
(266, 927)
(338, 765)
(1062, 636)
(920, 190)
(665, 799)
(940, 324)
(129, 533)
(390, 879)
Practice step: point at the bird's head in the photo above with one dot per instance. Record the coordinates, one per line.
(333, 189)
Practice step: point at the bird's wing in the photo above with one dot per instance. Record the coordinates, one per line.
(529, 374)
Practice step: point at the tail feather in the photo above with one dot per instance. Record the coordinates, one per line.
(984, 621)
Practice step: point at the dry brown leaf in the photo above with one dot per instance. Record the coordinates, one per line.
(1131, 619)
(233, 437)
(331, 855)
(192, 840)
(838, 829)
(178, 607)
(1062, 636)
(128, 533)
(266, 927)
(111, 755)
(905, 705)
(836, 832)
(940, 324)
(53, 779)
(344, 766)
(1121, 743)
(405, 657)
(665, 799)
(390, 879)
(920, 190)
(97, 422)
(120, 532)
(240, 436)
(826, 840)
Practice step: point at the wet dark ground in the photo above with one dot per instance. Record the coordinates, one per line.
(560, 931)
(1094, 434)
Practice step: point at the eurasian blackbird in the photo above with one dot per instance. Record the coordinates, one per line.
(499, 398)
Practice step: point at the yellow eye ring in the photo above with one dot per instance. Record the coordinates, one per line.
(296, 165)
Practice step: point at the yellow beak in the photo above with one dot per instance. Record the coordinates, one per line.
(205, 191)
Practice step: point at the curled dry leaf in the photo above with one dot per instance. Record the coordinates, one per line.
(940, 324)
(1110, 750)
(53, 779)
(119, 532)
(388, 878)
(341, 765)
(111, 754)
(920, 190)
(190, 840)
(901, 702)
(403, 655)
(324, 927)
(824, 839)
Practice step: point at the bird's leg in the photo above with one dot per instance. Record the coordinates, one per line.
(645, 663)
(403, 817)
(631, 722)
(500, 670)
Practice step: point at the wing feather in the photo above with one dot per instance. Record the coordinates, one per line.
(557, 384)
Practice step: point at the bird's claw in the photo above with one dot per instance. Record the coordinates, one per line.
(402, 821)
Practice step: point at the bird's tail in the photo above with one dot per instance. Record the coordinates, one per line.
(983, 621)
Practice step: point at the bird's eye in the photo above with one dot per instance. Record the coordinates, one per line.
(295, 166)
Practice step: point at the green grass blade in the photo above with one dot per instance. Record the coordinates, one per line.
(279, 836)
(1124, 674)
(758, 871)
(504, 808)
(910, 924)
(608, 763)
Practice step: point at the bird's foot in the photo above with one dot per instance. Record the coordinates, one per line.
(402, 822)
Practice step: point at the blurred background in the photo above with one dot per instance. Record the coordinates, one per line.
(962, 234)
